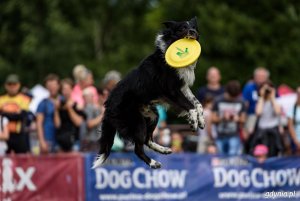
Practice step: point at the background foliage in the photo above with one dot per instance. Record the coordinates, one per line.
(42, 36)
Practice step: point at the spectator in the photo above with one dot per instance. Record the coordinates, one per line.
(250, 95)
(14, 105)
(4, 135)
(68, 119)
(211, 148)
(176, 142)
(213, 87)
(294, 123)
(45, 115)
(164, 137)
(162, 122)
(261, 153)
(208, 133)
(267, 128)
(94, 114)
(84, 78)
(111, 79)
(162, 116)
(103, 95)
(229, 114)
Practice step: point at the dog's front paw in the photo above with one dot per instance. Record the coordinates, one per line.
(193, 119)
(201, 122)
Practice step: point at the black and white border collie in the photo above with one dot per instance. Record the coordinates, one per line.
(130, 108)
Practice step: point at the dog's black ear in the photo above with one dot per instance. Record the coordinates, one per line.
(169, 24)
(194, 22)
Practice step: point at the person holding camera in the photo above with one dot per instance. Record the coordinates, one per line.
(68, 119)
(251, 95)
(267, 126)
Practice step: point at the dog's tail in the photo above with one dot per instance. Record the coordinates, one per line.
(106, 140)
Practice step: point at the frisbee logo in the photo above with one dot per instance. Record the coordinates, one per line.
(140, 178)
(10, 184)
(182, 53)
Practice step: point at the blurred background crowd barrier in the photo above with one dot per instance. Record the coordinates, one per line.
(192, 177)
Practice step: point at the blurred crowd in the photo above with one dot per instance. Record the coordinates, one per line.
(257, 119)
(63, 115)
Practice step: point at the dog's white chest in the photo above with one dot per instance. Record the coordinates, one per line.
(187, 74)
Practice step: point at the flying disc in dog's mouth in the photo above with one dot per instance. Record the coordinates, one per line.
(183, 53)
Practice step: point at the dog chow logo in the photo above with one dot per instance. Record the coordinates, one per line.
(140, 178)
(16, 179)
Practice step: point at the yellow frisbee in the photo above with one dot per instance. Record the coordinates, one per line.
(183, 53)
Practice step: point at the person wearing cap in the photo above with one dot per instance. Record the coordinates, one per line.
(15, 105)
(261, 152)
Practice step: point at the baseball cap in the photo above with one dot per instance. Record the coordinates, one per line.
(12, 78)
(260, 150)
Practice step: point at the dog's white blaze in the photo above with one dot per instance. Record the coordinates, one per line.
(159, 42)
(187, 74)
(99, 161)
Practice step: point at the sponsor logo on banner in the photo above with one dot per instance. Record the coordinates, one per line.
(193, 177)
(140, 178)
(257, 177)
(33, 178)
(16, 178)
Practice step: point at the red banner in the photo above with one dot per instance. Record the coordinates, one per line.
(42, 178)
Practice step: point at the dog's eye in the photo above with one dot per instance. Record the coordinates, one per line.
(183, 28)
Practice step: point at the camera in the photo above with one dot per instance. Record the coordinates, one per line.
(63, 102)
(268, 90)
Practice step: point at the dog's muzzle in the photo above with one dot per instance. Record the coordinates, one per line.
(192, 34)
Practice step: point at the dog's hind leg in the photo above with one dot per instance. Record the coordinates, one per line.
(151, 124)
(160, 149)
(139, 151)
(140, 136)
